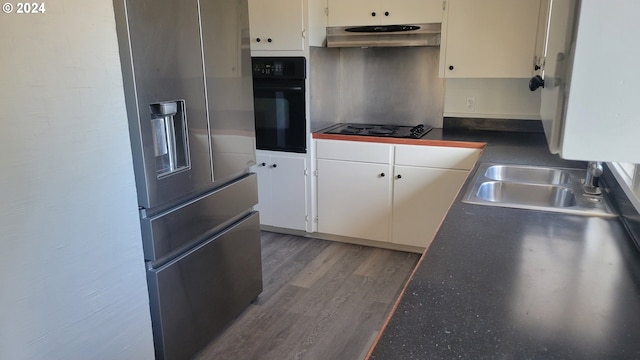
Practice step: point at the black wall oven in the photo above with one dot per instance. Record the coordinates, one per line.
(279, 103)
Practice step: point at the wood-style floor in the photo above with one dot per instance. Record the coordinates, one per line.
(321, 300)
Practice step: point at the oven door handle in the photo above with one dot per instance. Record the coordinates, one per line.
(277, 87)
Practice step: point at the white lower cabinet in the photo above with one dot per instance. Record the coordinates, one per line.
(282, 190)
(390, 193)
(353, 199)
(421, 199)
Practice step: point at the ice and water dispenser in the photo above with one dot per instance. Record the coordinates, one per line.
(170, 141)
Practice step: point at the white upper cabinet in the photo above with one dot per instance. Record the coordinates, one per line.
(489, 38)
(591, 77)
(276, 25)
(384, 12)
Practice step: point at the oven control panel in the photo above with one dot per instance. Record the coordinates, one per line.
(263, 68)
(278, 67)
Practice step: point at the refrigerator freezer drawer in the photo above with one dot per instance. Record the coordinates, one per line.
(166, 234)
(196, 295)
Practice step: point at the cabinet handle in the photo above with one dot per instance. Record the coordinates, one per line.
(450, 67)
(536, 82)
(373, 13)
(386, 13)
(258, 40)
(269, 40)
(399, 176)
(536, 68)
(274, 165)
(381, 174)
(263, 164)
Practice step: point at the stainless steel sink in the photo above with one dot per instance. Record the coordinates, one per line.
(535, 188)
(534, 194)
(528, 174)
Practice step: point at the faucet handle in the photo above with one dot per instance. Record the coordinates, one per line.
(595, 168)
(594, 171)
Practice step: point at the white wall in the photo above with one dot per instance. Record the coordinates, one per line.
(492, 98)
(72, 279)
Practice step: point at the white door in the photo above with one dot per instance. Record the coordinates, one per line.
(353, 12)
(276, 25)
(490, 38)
(353, 199)
(411, 11)
(421, 200)
(288, 192)
(557, 48)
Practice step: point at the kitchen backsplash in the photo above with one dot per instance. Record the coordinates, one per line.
(397, 86)
(491, 98)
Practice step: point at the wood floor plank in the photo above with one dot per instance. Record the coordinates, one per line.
(317, 298)
(321, 300)
(256, 329)
(351, 335)
(319, 267)
(396, 271)
(282, 265)
(374, 263)
(341, 327)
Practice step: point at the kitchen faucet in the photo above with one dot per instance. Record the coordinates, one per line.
(594, 171)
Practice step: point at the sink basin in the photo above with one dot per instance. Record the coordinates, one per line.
(533, 194)
(535, 188)
(528, 174)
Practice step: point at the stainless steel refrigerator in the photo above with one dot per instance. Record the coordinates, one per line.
(187, 76)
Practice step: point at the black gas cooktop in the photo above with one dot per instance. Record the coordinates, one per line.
(393, 131)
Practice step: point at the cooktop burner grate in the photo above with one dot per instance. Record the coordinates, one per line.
(394, 131)
(381, 132)
(359, 126)
(350, 131)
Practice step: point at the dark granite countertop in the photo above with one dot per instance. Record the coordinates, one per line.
(502, 283)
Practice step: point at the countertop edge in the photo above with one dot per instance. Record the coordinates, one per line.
(397, 141)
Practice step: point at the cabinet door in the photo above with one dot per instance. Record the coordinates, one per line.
(353, 199)
(601, 118)
(375, 12)
(541, 34)
(276, 24)
(288, 192)
(421, 200)
(489, 38)
(353, 12)
(552, 98)
(411, 11)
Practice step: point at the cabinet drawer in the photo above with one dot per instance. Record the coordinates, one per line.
(436, 156)
(353, 151)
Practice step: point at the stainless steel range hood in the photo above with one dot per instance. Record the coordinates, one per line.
(384, 35)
